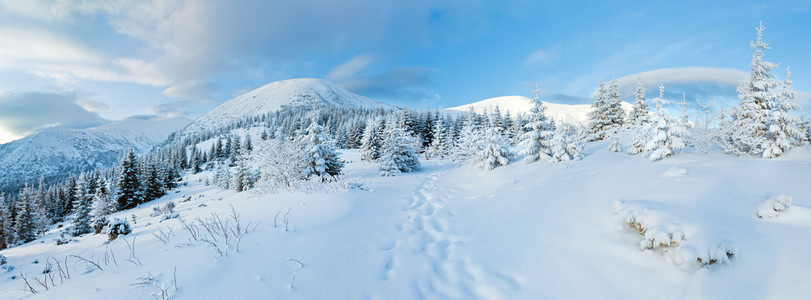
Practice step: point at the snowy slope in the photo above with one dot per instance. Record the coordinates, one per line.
(566, 113)
(56, 150)
(524, 231)
(306, 92)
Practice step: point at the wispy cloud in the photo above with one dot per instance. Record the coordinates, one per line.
(350, 68)
(22, 114)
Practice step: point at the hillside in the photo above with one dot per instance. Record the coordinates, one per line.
(524, 231)
(61, 151)
(566, 113)
(304, 92)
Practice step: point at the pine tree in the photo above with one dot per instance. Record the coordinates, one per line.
(784, 128)
(81, 209)
(24, 227)
(441, 143)
(372, 140)
(129, 184)
(397, 153)
(536, 141)
(607, 111)
(469, 143)
(748, 125)
(567, 144)
(321, 161)
(495, 152)
(668, 135)
(640, 111)
(194, 161)
(5, 222)
(152, 182)
(241, 178)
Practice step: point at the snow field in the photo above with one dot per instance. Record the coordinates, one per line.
(522, 231)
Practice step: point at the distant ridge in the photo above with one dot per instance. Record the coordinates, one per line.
(565, 113)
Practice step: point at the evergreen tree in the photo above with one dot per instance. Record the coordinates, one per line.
(194, 161)
(152, 182)
(129, 184)
(783, 127)
(536, 141)
(640, 111)
(606, 111)
(397, 153)
(5, 223)
(372, 140)
(241, 181)
(667, 135)
(566, 144)
(469, 143)
(496, 152)
(24, 226)
(321, 160)
(81, 209)
(441, 144)
(748, 125)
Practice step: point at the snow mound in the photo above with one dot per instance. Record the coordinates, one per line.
(675, 172)
(774, 206)
(561, 113)
(680, 242)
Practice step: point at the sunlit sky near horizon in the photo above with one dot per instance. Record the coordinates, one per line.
(83, 63)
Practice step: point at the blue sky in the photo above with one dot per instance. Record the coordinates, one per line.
(93, 61)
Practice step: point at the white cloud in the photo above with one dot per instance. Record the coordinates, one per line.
(22, 114)
(350, 68)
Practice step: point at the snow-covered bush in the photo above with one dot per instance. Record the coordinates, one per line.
(3, 260)
(118, 227)
(679, 241)
(99, 224)
(167, 211)
(773, 206)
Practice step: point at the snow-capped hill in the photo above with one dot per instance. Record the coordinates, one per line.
(303, 92)
(565, 113)
(56, 152)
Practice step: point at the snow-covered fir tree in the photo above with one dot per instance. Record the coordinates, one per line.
(24, 226)
(5, 222)
(398, 153)
(442, 142)
(606, 112)
(321, 161)
(129, 184)
(496, 151)
(567, 143)
(81, 209)
(748, 125)
(536, 141)
(372, 140)
(640, 111)
(667, 133)
(469, 144)
(783, 127)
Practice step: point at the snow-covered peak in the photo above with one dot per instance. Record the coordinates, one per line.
(56, 152)
(561, 113)
(307, 92)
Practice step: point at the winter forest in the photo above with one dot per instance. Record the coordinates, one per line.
(308, 150)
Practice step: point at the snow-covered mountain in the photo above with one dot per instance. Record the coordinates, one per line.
(303, 92)
(59, 151)
(565, 113)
